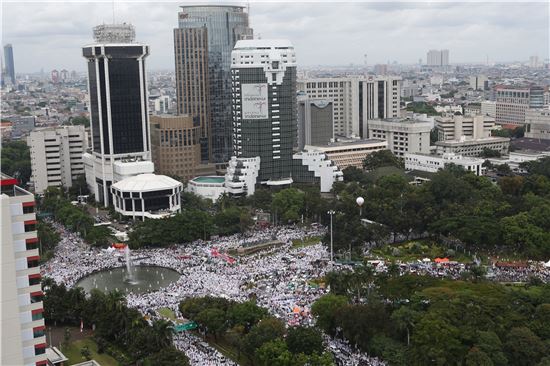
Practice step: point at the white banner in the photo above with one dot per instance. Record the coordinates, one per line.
(255, 104)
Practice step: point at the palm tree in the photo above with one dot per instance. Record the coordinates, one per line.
(163, 333)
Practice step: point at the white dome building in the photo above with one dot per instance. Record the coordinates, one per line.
(147, 195)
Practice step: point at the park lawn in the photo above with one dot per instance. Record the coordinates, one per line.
(167, 313)
(310, 240)
(73, 353)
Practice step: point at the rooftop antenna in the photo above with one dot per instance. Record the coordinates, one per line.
(113, 11)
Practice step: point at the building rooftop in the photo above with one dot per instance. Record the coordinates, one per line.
(531, 144)
(349, 142)
(146, 182)
(248, 44)
(209, 179)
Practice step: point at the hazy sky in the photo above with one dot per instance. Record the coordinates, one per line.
(50, 34)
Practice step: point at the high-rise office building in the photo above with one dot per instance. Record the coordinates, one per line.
(118, 108)
(264, 109)
(203, 43)
(8, 59)
(56, 156)
(356, 100)
(479, 82)
(175, 145)
(437, 58)
(315, 125)
(512, 102)
(21, 318)
(263, 75)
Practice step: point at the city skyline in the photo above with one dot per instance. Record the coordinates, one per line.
(472, 32)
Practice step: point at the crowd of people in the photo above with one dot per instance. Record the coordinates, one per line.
(285, 279)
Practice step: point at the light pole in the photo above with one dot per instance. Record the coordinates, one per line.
(331, 212)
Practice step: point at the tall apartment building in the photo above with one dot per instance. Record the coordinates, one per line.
(356, 100)
(118, 108)
(512, 102)
(315, 125)
(437, 58)
(21, 318)
(175, 143)
(455, 127)
(56, 156)
(537, 123)
(10, 65)
(403, 135)
(479, 82)
(203, 42)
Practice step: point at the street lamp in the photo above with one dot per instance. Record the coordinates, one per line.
(331, 212)
(360, 201)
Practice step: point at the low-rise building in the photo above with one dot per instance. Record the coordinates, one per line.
(475, 147)
(349, 152)
(402, 135)
(56, 156)
(537, 123)
(454, 127)
(147, 195)
(435, 163)
(489, 108)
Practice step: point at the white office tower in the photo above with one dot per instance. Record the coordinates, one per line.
(356, 100)
(56, 156)
(437, 58)
(21, 311)
(118, 109)
(264, 107)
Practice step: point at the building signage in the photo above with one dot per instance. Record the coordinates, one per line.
(254, 101)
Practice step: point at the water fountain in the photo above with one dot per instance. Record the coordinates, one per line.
(130, 274)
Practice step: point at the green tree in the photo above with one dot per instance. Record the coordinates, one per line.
(524, 347)
(274, 353)
(436, 341)
(212, 320)
(246, 314)
(382, 158)
(288, 205)
(325, 309)
(80, 120)
(476, 357)
(268, 329)
(304, 340)
(16, 160)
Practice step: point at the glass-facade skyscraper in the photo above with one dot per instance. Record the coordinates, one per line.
(118, 104)
(203, 43)
(8, 59)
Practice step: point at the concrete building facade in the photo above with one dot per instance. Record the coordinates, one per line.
(488, 108)
(473, 148)
(356, 100)
(21, 317)
(56, 156)
(345, 153)
(435, 163)
(175, 145)
(454, 127)
(403, 135)
(537, 123)
(512, 102)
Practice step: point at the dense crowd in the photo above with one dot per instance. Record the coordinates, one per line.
(283, 279)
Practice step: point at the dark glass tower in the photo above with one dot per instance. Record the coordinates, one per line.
(10, 67)
(118, 102)
(202, 46)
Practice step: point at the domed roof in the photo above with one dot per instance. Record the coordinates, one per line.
(146, 183)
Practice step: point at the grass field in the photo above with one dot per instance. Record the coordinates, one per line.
(310, 240)
(73, 353)
(167, 313)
